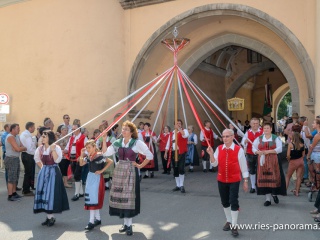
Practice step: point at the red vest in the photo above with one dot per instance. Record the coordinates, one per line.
(209, 136)
(229, 168)
(163, 141)
(182, 144)
(252, 136)
(79, 145)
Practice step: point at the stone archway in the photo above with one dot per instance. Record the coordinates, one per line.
(230, 38)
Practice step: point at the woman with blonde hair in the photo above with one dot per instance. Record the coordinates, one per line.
(295, 155)
(124, 199)
(94, 191)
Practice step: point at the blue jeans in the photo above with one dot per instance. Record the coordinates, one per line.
(306, 169)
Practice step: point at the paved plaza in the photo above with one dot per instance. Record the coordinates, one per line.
(165, 215)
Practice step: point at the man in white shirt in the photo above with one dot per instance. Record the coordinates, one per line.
(182, 148)
(66, 122)
(30, 142)
(73, 149)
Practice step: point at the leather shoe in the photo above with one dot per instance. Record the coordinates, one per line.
(182, 189)
(129, 231)
(190, 170)
(81, 195)
(45, 223)
(226, 227)
(267, 203)
(252, 190)
(123, 229)
(205, 170)
(18, 188)
(75, 197)
(152, 175)
(176, 189)
(275, 199)
(145, 176)
(90, 226)
(97, 222)
(164, 172)
(211, 170)
(51, 222)
(234, 232)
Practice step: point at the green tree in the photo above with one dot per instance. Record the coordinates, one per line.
(283, 106)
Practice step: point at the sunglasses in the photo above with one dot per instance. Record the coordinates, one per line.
(67, 118)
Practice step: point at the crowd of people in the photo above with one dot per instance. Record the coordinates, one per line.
(115, 161)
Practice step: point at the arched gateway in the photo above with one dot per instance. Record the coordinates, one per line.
(215, 26)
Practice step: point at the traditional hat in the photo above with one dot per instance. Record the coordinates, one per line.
(295, 115)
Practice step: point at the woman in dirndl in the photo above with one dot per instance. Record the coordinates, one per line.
(270, 177)
(51, 196)
(94, 191)
(192, 157)
(124, 199)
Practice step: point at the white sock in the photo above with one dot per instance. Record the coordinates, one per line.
(81, 188)
(91, 219)
(139, 171)
(227, 212)
(125, 221)
(129, 222)
(77, 188)
(268, 197)
(147, 173)
(191, 167)
(178, 181)
(253, 181)
(204, 164)
(234, 217)
(97, 214)
(181, 177)
(49, 216)
(107, 184)
(211, 165)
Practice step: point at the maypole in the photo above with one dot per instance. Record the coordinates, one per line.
(175, 45)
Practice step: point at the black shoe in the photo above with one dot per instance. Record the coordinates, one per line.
(18, 188)
(176, 189)
(145, 176)
(168, 173)
(182, 189)
(226, 227)
(275, 199)
(75, 197)
(13, 199)
(190, 170)
(123, 229)
(234, 232)
(51, 222)
(152, 175)
(17, 196)
(211, 170)
(205, 170)
(129, 231)
(33, 188)
(267, 203)
(106, 188)
(90, 226)
(97, 222)
(252, 190)
(45, 223)
(165, 172)
(81, 195)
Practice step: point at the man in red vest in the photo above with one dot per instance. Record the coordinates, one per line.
(178, 167)
(210, 135)
(254, 132)
(73, 149)
(232, 163)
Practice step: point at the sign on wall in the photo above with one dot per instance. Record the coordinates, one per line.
(4, 98)
(3, 117)
(4, 109)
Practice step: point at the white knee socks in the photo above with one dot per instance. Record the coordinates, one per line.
(253, 181)
(204, 164)
(178, 181)
(234, 216)
(49, 216)
(77, 188)
(181, 178)
(227, 212)
(127, 221)
(91, 219)
(268, 197)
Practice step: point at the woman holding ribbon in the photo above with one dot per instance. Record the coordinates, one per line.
(124, 199)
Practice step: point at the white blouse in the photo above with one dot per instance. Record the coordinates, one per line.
(256, 142)
(139, 147)
(47, 152)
